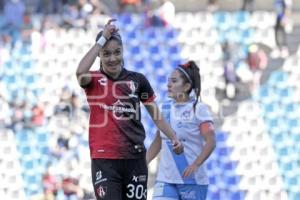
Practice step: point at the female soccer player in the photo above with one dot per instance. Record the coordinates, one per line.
(116, 134)
(183, 176)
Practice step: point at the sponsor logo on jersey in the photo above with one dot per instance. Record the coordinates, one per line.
(188, 195)
(141, 178)
(99, 178)
(119, 109)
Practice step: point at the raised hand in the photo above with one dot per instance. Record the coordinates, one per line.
(109, 28)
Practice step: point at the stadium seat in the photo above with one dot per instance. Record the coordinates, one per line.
(242, 19)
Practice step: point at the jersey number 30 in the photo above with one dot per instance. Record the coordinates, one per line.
(137, 192)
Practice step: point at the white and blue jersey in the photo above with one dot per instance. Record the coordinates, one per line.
(186, 123)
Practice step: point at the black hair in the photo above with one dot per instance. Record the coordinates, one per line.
(114, 36)
(194, 78)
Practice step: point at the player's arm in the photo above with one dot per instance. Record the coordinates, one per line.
(162, 125)
(208, 132)
(82, 72)
(154, 148)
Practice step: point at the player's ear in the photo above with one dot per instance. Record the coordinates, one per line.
(187, 87)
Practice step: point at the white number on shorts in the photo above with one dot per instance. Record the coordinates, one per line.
(138, 192)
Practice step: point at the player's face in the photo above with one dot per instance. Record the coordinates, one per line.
(177, 88)
(111, 56)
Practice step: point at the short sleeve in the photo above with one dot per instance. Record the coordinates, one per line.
(146, 93)
(88, 87)
(203, 113)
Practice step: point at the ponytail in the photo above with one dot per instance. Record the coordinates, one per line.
(192, 70)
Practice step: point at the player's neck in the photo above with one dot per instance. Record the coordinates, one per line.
(182, 99)
(113, 75)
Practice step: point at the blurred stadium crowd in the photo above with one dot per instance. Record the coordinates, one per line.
(249, 62)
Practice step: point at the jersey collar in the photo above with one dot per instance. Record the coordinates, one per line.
(121, 76)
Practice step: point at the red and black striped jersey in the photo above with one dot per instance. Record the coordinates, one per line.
(115, 128)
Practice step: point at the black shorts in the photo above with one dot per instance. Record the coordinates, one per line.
(120, 179)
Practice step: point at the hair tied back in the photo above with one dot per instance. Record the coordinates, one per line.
(186, 65)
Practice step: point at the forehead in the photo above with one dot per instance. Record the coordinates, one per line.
(111, 45)
(175, 74)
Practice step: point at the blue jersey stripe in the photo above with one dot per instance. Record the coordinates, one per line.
(181, 163)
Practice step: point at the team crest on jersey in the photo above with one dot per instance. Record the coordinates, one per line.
(101, 191)
(103, 81)
(187, 115)
(133, 87)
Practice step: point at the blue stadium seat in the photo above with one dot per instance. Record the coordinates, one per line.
(174, 49)
(237, 195)
(132, 35)
(44, 149)
(26, 64)
(290, 107)
(135, 50)
(222, 20)
(221, 136)
(242, 19)
(294, 195)
(223, 151)
(170, 34)
(276, 77)
(138, 64)
(213, 180)
(247, 36)
(8, 64)
(10, 79)
(265, 92)
(30, 79)
(214, 195)
(157, 63)
(232, 181)
(30, 165)
(228, 166)
(162, 79)
(175, 62)
(150, 34)
(125, 18)
(285, 92)
(24, 136)
(154, 49)
(286, 166)
(25, 149)
(293, 123)
(212, 164)
(272, 122)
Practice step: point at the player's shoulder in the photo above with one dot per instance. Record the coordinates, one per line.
(137, 76)
(202, 107)
(95, 72)
(134, 73)
(167, 104)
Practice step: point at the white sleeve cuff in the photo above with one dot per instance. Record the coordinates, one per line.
(101, 41)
